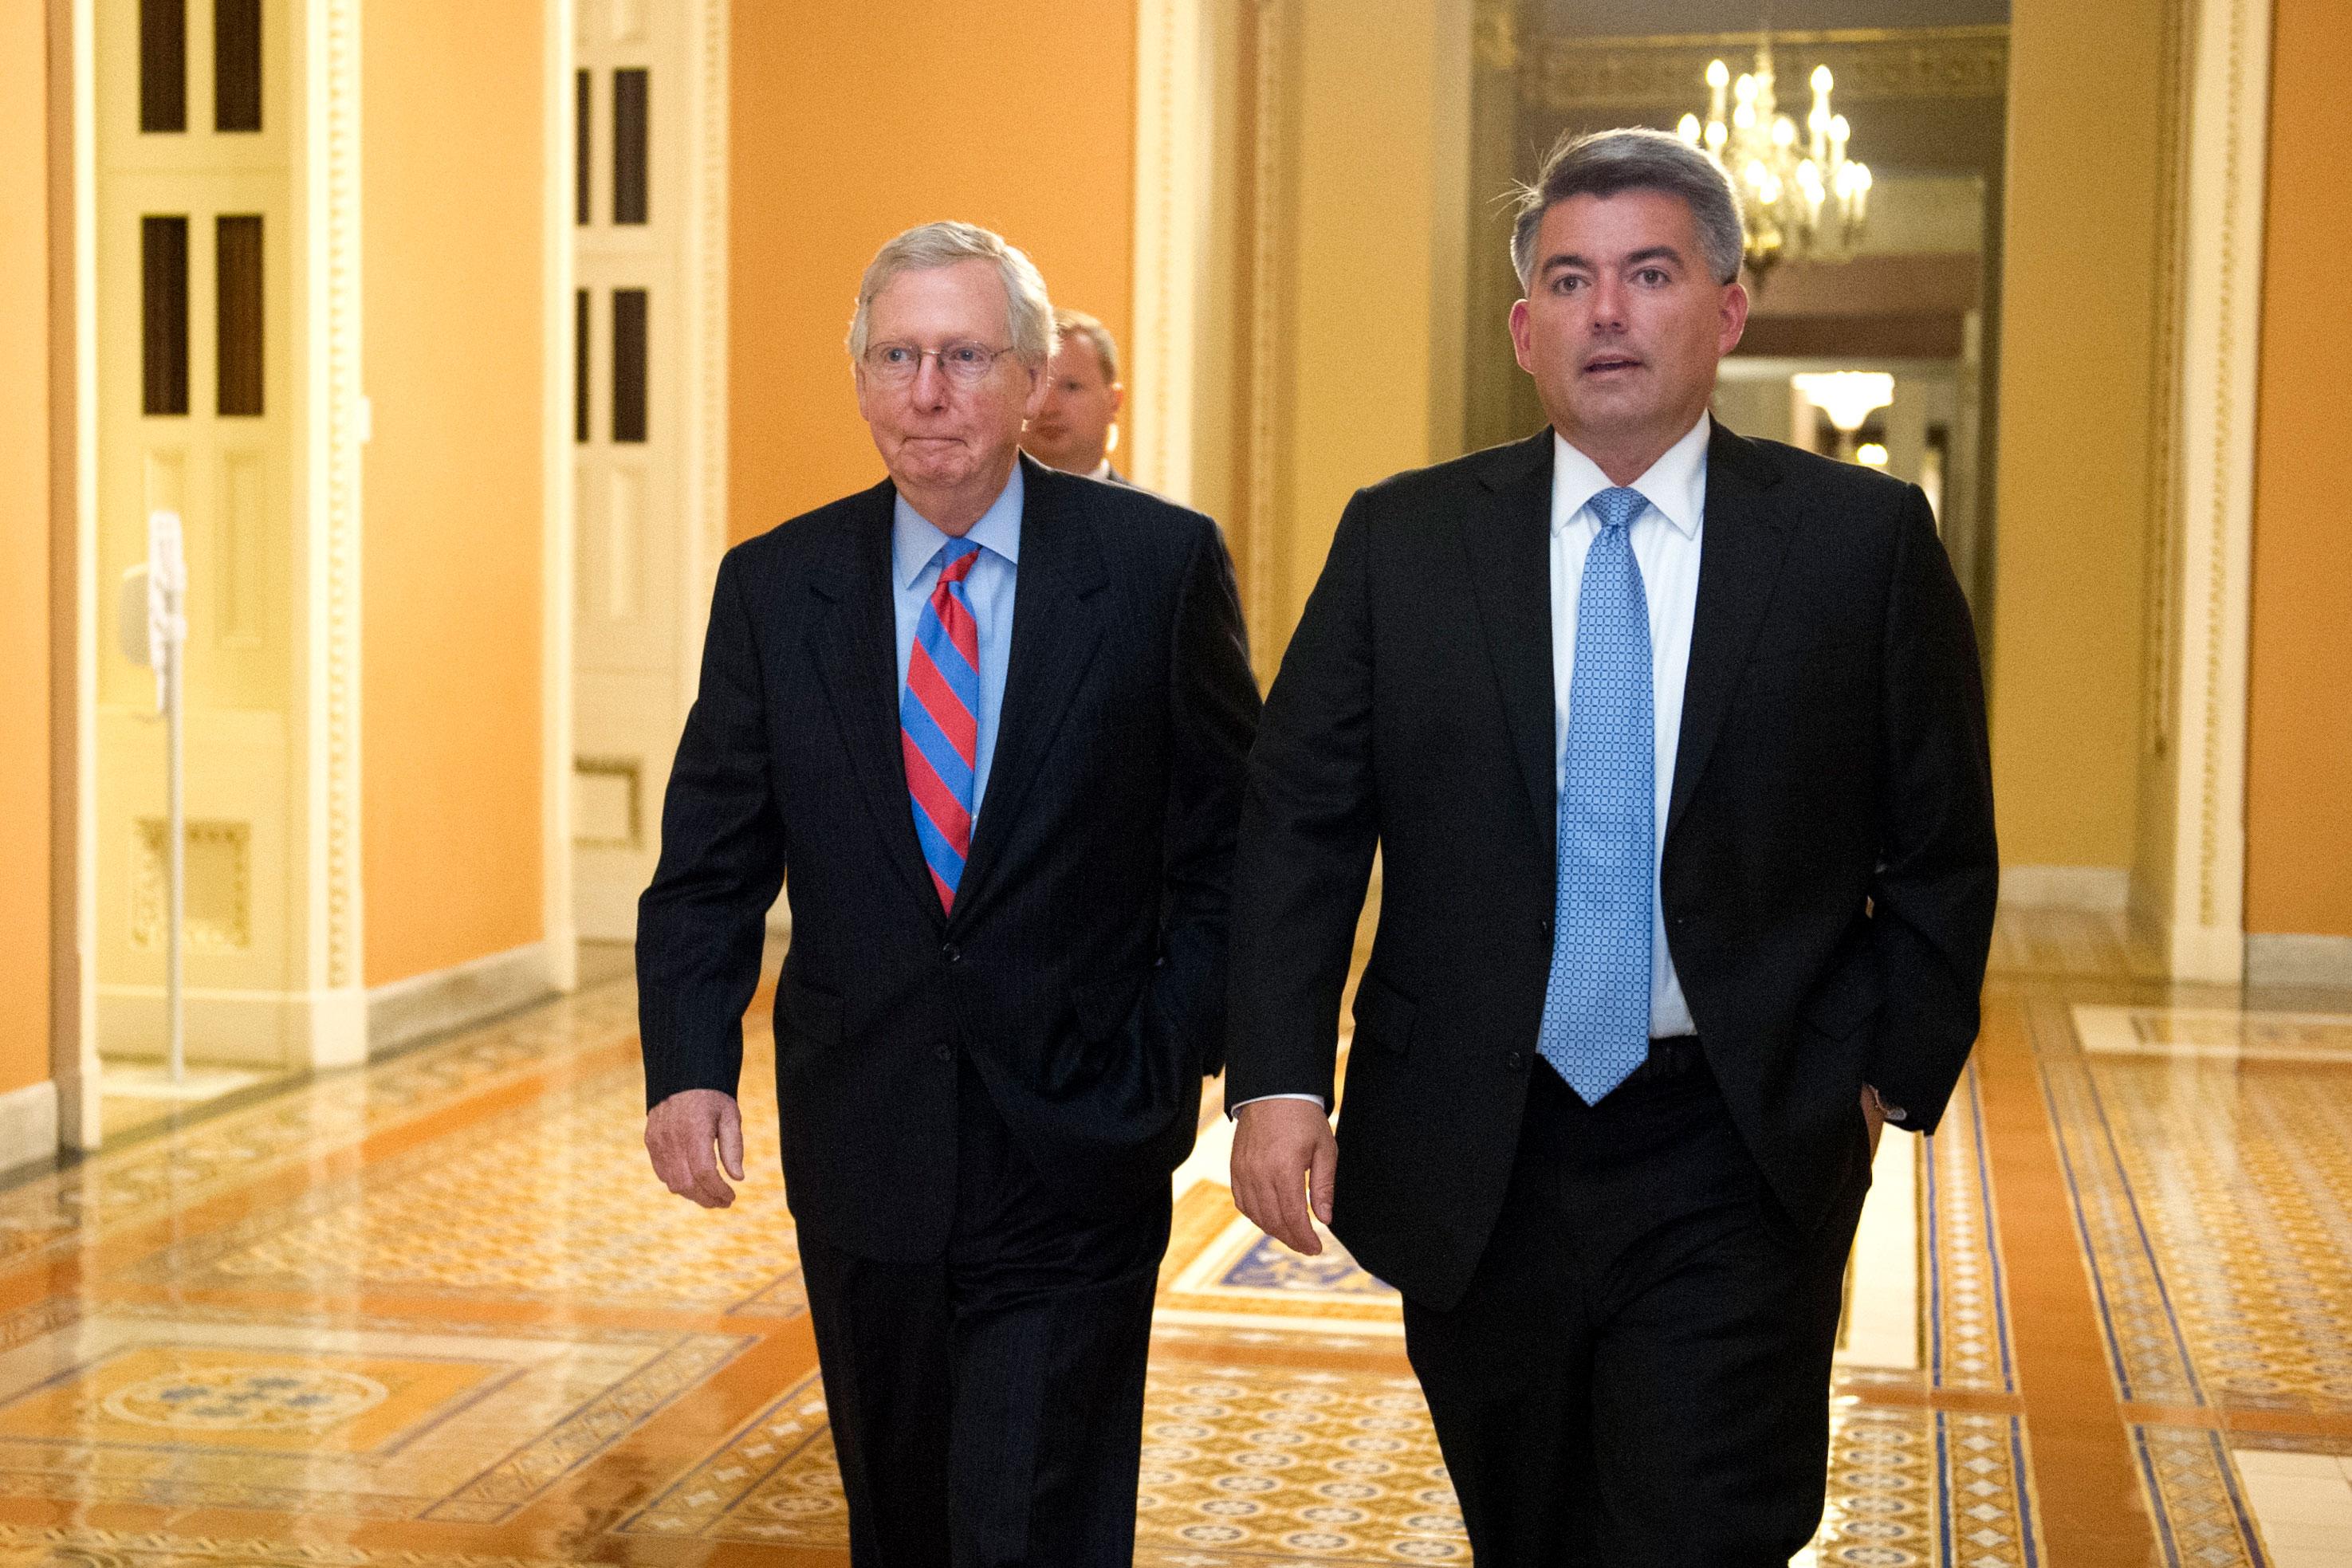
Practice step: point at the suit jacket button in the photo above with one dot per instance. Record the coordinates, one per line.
(1517, 1061)
(944, 1053)
(951, 953)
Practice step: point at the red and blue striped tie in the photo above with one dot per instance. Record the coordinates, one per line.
(938, 720)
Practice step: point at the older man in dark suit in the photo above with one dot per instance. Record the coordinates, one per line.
(1672, 745)
(1009, 838)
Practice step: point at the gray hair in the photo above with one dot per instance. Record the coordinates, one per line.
(1633, 158)
(1071, 324)
(1027, 312)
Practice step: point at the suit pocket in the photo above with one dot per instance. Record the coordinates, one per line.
(1847, 998)
(1384, 1014)
(807, 1012)
(1103, 1007)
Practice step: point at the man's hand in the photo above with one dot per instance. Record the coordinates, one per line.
(1875, 1117)
(680, 1133)
(1284, 1155)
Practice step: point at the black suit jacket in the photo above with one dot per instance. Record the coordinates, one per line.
(1829, 869)
(1083, 972)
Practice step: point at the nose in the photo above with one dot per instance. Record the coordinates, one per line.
(929, 387)
(1607, 304)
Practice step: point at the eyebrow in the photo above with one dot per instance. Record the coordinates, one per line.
(1650, 253)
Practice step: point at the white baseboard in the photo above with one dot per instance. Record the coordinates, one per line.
(2299, 961)
(288, 1030)
(2099, 889)
(28, 1124)
(400, 1011)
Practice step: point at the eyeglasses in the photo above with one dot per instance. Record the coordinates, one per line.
(965, 363)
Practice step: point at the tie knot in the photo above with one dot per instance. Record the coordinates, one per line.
(1617, 508)
(956, 559)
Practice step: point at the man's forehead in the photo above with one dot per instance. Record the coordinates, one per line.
(1598, 228)
(1076, 351)
(968, 290)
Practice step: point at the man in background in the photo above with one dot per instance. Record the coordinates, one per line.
(1075, 428)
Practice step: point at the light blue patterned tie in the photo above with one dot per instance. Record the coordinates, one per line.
(1596, 1017)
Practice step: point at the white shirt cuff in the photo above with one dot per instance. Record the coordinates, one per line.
(1311, 1099)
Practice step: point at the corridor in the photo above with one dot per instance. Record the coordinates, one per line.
(436, 1311)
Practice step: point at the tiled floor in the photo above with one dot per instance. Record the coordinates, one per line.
(435, 1312)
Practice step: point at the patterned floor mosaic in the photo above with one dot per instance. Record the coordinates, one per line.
(2214, 1198)
(541, 1204)
(433, 1313)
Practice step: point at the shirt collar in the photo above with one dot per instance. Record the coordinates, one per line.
(915, 539)
(1675, 485)
(1101, 470)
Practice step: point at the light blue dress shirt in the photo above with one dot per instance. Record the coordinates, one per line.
(915, 546)
(1666, 539)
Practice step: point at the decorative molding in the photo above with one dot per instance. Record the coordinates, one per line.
(556, 503)
(1873, 66)
(2165, 424)
(2320, 961)
(402, 1011)
(630, 771)
(1272, 150)
(73, 1049)
(2097, 888)
(2202, 911)
(1171, 161)
(218, 868)
(334, 174)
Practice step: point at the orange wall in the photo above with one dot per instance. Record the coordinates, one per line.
(24, 548)
(2299, 739)
(453, 175)
(1025, 125)
(2076, 360)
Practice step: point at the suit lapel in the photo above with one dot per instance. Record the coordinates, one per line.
(1739, 560)
(1508, 540)
(856, 642)
(1057, 624)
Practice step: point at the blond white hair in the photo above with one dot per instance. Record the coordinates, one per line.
(1028, 313)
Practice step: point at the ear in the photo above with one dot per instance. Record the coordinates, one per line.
(1040, 383)
(1733, 319)
(1522, 334)
(1118, 397)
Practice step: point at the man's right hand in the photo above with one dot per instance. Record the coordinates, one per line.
(679, 1135)
(1284, 1156)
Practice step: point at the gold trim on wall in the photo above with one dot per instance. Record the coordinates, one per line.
(1272, 116)
(1874, 65)
(333, 178)
(2165, 426)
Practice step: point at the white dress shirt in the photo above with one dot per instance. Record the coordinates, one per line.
(1665, 537)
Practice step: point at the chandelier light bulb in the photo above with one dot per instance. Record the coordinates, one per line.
(1800, 196)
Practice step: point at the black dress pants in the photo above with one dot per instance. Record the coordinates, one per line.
(987, 1406)
(1639, 1374)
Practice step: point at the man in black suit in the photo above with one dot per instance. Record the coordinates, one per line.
(1077, 426)
(1672, 745)
(1010, 839)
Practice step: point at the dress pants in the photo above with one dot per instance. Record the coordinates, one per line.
(1639, 1373)
(987, 1406)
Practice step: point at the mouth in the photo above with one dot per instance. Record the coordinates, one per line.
(1607, 365)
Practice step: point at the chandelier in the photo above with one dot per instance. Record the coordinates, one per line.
(1807, 201)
